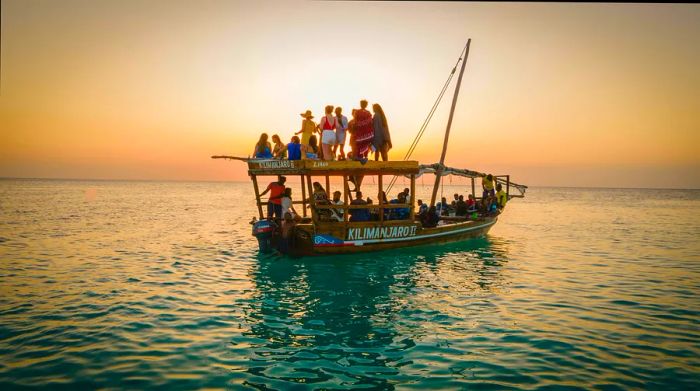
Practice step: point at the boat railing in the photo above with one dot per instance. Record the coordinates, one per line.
(346, 216)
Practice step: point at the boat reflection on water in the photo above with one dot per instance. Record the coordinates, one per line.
(350, 320)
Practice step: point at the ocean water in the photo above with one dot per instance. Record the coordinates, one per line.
(158, 285)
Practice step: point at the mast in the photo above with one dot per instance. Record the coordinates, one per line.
(438, 172)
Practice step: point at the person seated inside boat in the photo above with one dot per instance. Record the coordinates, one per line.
(287, 233)
(483, 206)
(279, 151)
(359, 214)
(442, 208)
(287, 206)
(337, 201)
(501, 196)
(274, 203)
(319, 197)
(373, 213)
(493, 206)
(403, 213)
(453, 206)
(294, 149)
(488, 206)
(398, 213)
(407, 193)
(263, 149)
(487, 184)
(422, 208)
(471, 203)
(430, 219)
(461, 207)
(388, 213)
(310, 151)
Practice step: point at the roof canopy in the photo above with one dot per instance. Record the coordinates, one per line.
(271, 167)
(433, 168)
(333, 168)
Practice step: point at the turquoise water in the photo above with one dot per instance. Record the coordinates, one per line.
(146, 284)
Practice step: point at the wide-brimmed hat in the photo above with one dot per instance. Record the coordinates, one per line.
(307, 115)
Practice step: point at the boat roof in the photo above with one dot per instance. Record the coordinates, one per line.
(325, 167)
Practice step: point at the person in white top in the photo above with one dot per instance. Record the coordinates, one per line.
(340, 132)
(328, 124)
(337, 201)
(286, 202)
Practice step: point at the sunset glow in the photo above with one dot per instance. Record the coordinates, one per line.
(554, 94)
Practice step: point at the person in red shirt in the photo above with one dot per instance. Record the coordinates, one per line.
(274, 203)
(471, 203)
(363, 131)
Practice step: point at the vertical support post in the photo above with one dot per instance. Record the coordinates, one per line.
(473, 189)
(328, 187)
(438, 171)
(381, 200)
(257, 195)
(346, 195)
(303, 196)
(413, 197)
(311, 193)
(507, 186)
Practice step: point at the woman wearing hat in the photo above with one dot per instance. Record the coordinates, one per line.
(308, 127)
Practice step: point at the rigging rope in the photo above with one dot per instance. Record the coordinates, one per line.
(422, 129)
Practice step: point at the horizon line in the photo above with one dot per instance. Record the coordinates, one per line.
(241, 181)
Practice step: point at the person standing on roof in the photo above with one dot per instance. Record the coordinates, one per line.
(353, 137)
(382, 138)
(308, 127)
(340, 133)
(328, 125)
(364, 130)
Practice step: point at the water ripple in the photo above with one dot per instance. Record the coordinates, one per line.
(159, 285)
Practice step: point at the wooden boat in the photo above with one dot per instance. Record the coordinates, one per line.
(316, 234)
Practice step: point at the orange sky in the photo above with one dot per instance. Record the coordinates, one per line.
(555, 94)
